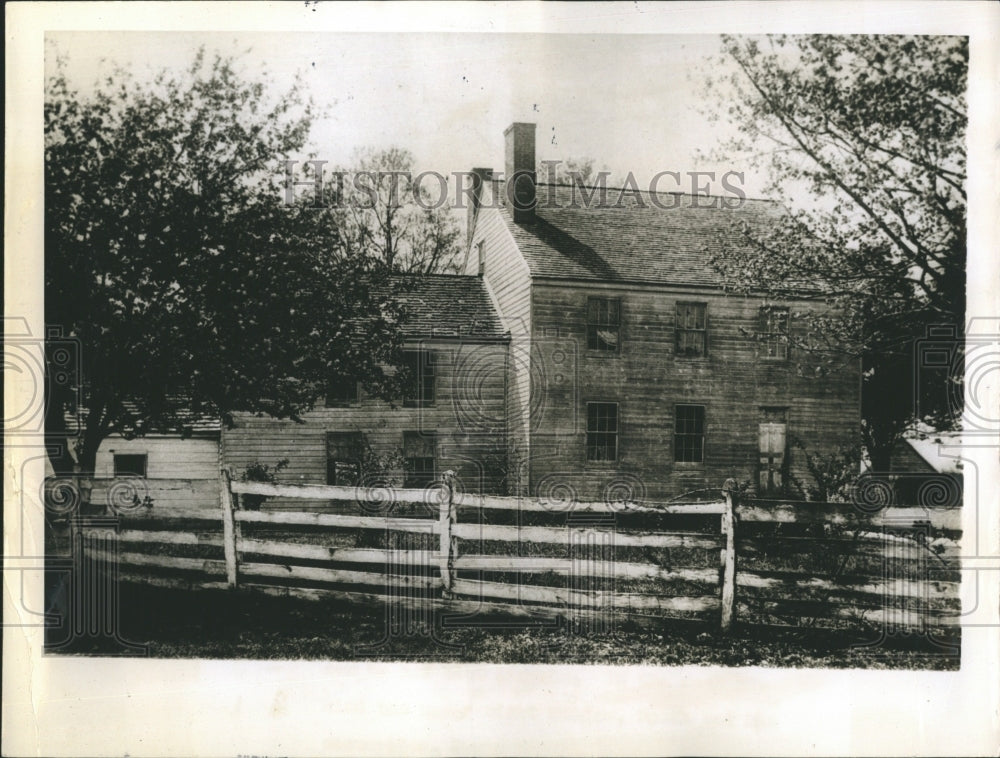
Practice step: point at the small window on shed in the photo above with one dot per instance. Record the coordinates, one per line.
(131, 464)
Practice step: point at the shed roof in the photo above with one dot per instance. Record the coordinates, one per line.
(451, 306)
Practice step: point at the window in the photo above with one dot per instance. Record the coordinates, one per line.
(130, 465)
(343, 458)
(603, 323)
(418, 459)
(481, 249)
(774, 332)
(689, 433)
(689, 328)
(420, 391)
(773, 432)
(341, 392)
(602, 431)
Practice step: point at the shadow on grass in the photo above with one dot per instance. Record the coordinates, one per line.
(224, 625)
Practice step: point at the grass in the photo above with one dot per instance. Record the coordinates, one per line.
(214, 624)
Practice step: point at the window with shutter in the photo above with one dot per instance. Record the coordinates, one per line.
(690, 329)
(773, 429)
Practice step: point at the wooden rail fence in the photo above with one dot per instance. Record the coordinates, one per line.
(897, 566)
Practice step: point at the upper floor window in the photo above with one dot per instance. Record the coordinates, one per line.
(689, 328)
(604, 323)
(773, 330)
(689, 433)
(341, 392)
(420, 391)
(602, 431)
(481, 252)
(131, 465)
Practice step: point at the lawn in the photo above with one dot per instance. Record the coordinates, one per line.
(219, 624)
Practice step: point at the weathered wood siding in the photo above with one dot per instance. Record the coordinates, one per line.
(646, 379)
(468, 419)
(509, 281)
(180, 473)
(167, 457)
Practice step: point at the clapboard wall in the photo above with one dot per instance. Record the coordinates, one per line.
(468, 420)
(733, 381)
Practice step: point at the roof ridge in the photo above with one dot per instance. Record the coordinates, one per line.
(767, 200)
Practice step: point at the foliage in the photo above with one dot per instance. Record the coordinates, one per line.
(833, 473)
(404, 224)
(172, 258)
(863, 138)
(260, 472)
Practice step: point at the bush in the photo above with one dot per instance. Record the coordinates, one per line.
(260, 472)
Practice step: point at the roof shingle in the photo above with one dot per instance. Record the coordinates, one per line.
(439, 305)
(636, 242)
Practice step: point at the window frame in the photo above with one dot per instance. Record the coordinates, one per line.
(593, 326)
(118, 474)
(767, 337)
(680, 329)
(413, 479)
(425, 375)
(331, 401)
(357, 441)
(615, 434)
(680, 436)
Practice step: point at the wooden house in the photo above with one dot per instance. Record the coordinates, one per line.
(452, 418)
(632, 373)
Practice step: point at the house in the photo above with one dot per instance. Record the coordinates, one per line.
(453, 417)
(631, 372)
(588, 351)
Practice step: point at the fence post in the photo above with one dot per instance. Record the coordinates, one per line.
(446, 545)
(228, 528)
(729, 555)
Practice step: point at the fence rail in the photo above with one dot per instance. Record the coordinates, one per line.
(894, 566)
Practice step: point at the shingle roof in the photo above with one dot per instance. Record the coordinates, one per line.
(445, 305)
(638, 242)
(190, 421)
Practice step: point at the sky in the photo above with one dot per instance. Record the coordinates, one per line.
(631, 102)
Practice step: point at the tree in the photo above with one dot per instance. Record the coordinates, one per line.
(863, 138)
(397, 216)
(173, 260)
(581, 171)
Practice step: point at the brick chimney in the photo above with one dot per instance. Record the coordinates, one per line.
(519, 167)
(479, 177)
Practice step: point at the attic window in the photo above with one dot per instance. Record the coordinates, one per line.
(481, 251)
(604, 323)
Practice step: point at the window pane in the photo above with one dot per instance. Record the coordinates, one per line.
(343, 458)
(341, 391)
(603, 323)
(421, 389)
(130, 465)
(602, 431)
(689, 433)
